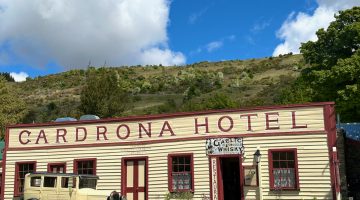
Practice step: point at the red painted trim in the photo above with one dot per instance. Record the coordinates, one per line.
(4, 163)
(219, 175)
(330, 127)
(210, 177)
(220, 180)
(75, 164)
(49, 165)
(257, 174)
(16, 183)
(271, 175)
(169, 140)
(170, 156)
(173, 115)
(124, 174)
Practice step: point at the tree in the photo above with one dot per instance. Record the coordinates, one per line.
(12, 109)
(334, 74)
(104, 94)
(7, 76)
(212, 102)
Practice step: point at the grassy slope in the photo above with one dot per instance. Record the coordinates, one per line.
(58, 95)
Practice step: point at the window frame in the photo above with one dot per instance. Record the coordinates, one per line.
(56, 164)
(170, 158)
(50, 177)
(271, 175)
(76, 161)
(16, 177)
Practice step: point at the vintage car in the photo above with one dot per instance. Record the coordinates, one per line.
(62, 186)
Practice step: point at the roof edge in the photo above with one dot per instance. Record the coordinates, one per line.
(171, 115)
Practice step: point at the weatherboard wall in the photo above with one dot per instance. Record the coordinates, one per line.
(311, 144)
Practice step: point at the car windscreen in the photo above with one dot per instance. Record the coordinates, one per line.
(87, 183)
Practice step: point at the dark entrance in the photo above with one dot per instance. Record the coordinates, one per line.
(230, 172)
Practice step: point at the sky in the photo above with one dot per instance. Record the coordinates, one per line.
(41, 37)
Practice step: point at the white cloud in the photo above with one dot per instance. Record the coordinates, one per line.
(196, 15)
(212, 46)
(19, 77)
(157, 56)
(259, 26)
(72, 33)
(302, 27)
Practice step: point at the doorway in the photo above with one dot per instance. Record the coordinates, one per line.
(134, 178)
(230, 176)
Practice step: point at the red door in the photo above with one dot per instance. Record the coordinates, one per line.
(134, 179)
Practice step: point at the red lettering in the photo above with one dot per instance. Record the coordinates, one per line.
(166, 127)
(249, 119)
(98, 132)
(294, 121)
(127, 131)
(58, 135)
(230, 126)
(206, 124)
(77, 134)
(147, 131)
(20, 137)
(41, 136)
(268, 121)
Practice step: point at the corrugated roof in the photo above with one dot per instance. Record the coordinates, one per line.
(352, 130)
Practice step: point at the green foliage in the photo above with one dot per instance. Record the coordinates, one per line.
(179, 195)
(12, 108)
(335, 61)
(154, 89)
(7, 76)
(215, 101)
(104, 94)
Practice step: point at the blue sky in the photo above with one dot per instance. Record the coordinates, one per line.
(243, 29)
(50, 36)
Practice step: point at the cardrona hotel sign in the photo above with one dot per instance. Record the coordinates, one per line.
(234, 123)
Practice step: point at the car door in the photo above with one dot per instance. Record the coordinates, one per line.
(49, 189)
(32, 187)
(66, 191)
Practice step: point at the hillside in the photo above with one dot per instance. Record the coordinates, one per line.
(158, 89)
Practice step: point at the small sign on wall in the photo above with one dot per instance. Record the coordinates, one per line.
(223, 146)
(250, 176)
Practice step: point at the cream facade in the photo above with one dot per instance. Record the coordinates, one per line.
(149, 156)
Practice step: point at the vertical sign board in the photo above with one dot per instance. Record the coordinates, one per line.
(221, 146)
(214, 179)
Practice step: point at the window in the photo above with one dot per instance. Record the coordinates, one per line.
(35, 181)
(68, 182)
(21, 169)
(283, 169)
(57, 167)
(64, 182)
(49, 181)
(85, 166)
(87, 183)
(180, 172)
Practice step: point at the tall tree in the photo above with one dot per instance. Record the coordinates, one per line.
(7, 76)
(104, 94)
(12, 108)
(334, 74)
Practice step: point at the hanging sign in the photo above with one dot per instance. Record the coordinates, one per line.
(221, 146)
(250, 174)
